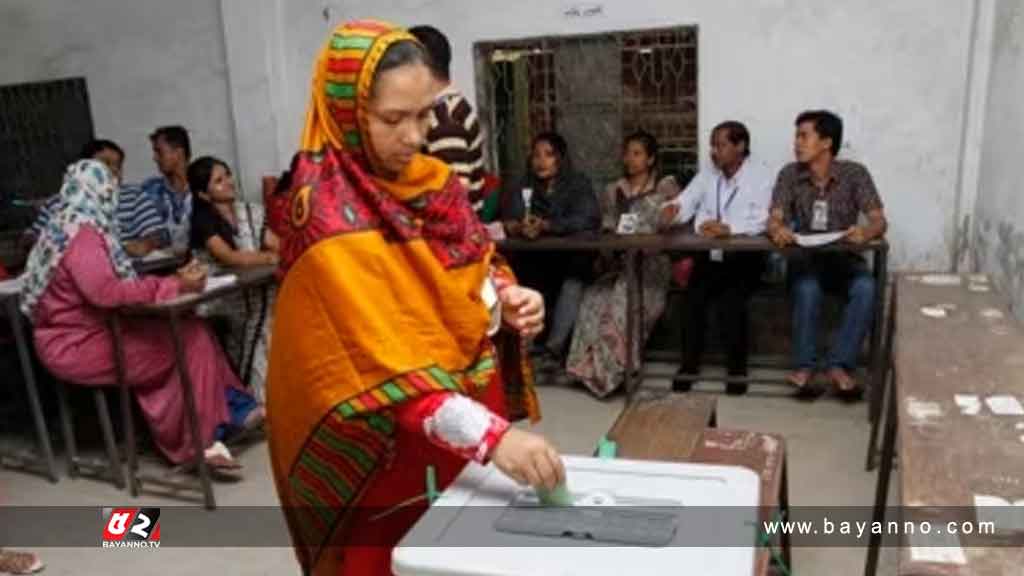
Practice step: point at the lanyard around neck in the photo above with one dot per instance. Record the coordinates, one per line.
(718, 198)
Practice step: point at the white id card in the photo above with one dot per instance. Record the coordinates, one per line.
(718, 256)
(527, 198)
(628, 224)
(819, 220)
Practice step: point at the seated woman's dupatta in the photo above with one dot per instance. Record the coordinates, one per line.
(88, 197)
(380, 300)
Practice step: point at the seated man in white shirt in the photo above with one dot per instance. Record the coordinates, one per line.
(731, 198)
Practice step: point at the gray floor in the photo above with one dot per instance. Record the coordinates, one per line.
(826, 441)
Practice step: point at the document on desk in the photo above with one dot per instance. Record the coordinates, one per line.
(218, 282)
(156, 255)
(816, 240)
(13, 286)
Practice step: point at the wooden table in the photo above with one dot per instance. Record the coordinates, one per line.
(158, 265)
(173, 311)
(10, 301)
(673, 428)
(948, 455)
(638, 245)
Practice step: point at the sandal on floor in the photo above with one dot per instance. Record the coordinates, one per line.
(802, 380)
(218, 461)
(844, 386)
(12, 562)
(218, 458)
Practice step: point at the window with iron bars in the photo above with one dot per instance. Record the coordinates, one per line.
(43, 126)
(595, 90)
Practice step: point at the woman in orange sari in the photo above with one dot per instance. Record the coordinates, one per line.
(382, 362)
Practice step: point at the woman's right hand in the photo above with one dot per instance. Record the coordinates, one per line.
(192, 277)
(529, 458)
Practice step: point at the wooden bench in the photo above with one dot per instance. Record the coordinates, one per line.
(680, 428)
(957, 345)
(663, 426)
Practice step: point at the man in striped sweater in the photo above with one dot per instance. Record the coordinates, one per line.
(137, 219)
(454, 136)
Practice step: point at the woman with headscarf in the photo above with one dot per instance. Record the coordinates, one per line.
(381, 365)
(77, 273)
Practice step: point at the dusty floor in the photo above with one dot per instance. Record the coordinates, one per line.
(826, 441)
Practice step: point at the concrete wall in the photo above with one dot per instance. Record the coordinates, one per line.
(999, 240)
(895, 70)
(147, 63)
(237, 73)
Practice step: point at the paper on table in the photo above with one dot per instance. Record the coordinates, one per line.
(13, 286)
(815, 240)
(1004, 515)
(157, 255)
(217, 282)
(1004, 406)
(969, 404)
(939, 547)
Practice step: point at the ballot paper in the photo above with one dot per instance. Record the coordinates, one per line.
(560, 496)
(1004, 406)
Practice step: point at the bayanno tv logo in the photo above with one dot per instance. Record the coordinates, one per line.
(131, 527)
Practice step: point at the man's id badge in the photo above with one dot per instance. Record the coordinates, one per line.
(819, 220)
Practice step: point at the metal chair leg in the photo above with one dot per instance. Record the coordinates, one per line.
(127, 421)
(31, 388)
(67, 429)
(108, 438)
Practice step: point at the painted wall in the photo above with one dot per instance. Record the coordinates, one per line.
(896, 71)
(237, 73)
(999, 240)
(147, 63)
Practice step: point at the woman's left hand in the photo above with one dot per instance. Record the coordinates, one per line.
(522, 309)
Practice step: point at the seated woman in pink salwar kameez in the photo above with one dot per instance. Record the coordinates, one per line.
(76, 273)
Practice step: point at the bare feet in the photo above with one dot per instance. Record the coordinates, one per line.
(12, 562)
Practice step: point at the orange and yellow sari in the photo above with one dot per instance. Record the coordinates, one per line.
(379, 304)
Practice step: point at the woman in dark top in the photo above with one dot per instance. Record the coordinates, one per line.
(553, 200)
(229, 233)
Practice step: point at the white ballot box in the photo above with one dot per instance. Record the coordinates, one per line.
(629, 518)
